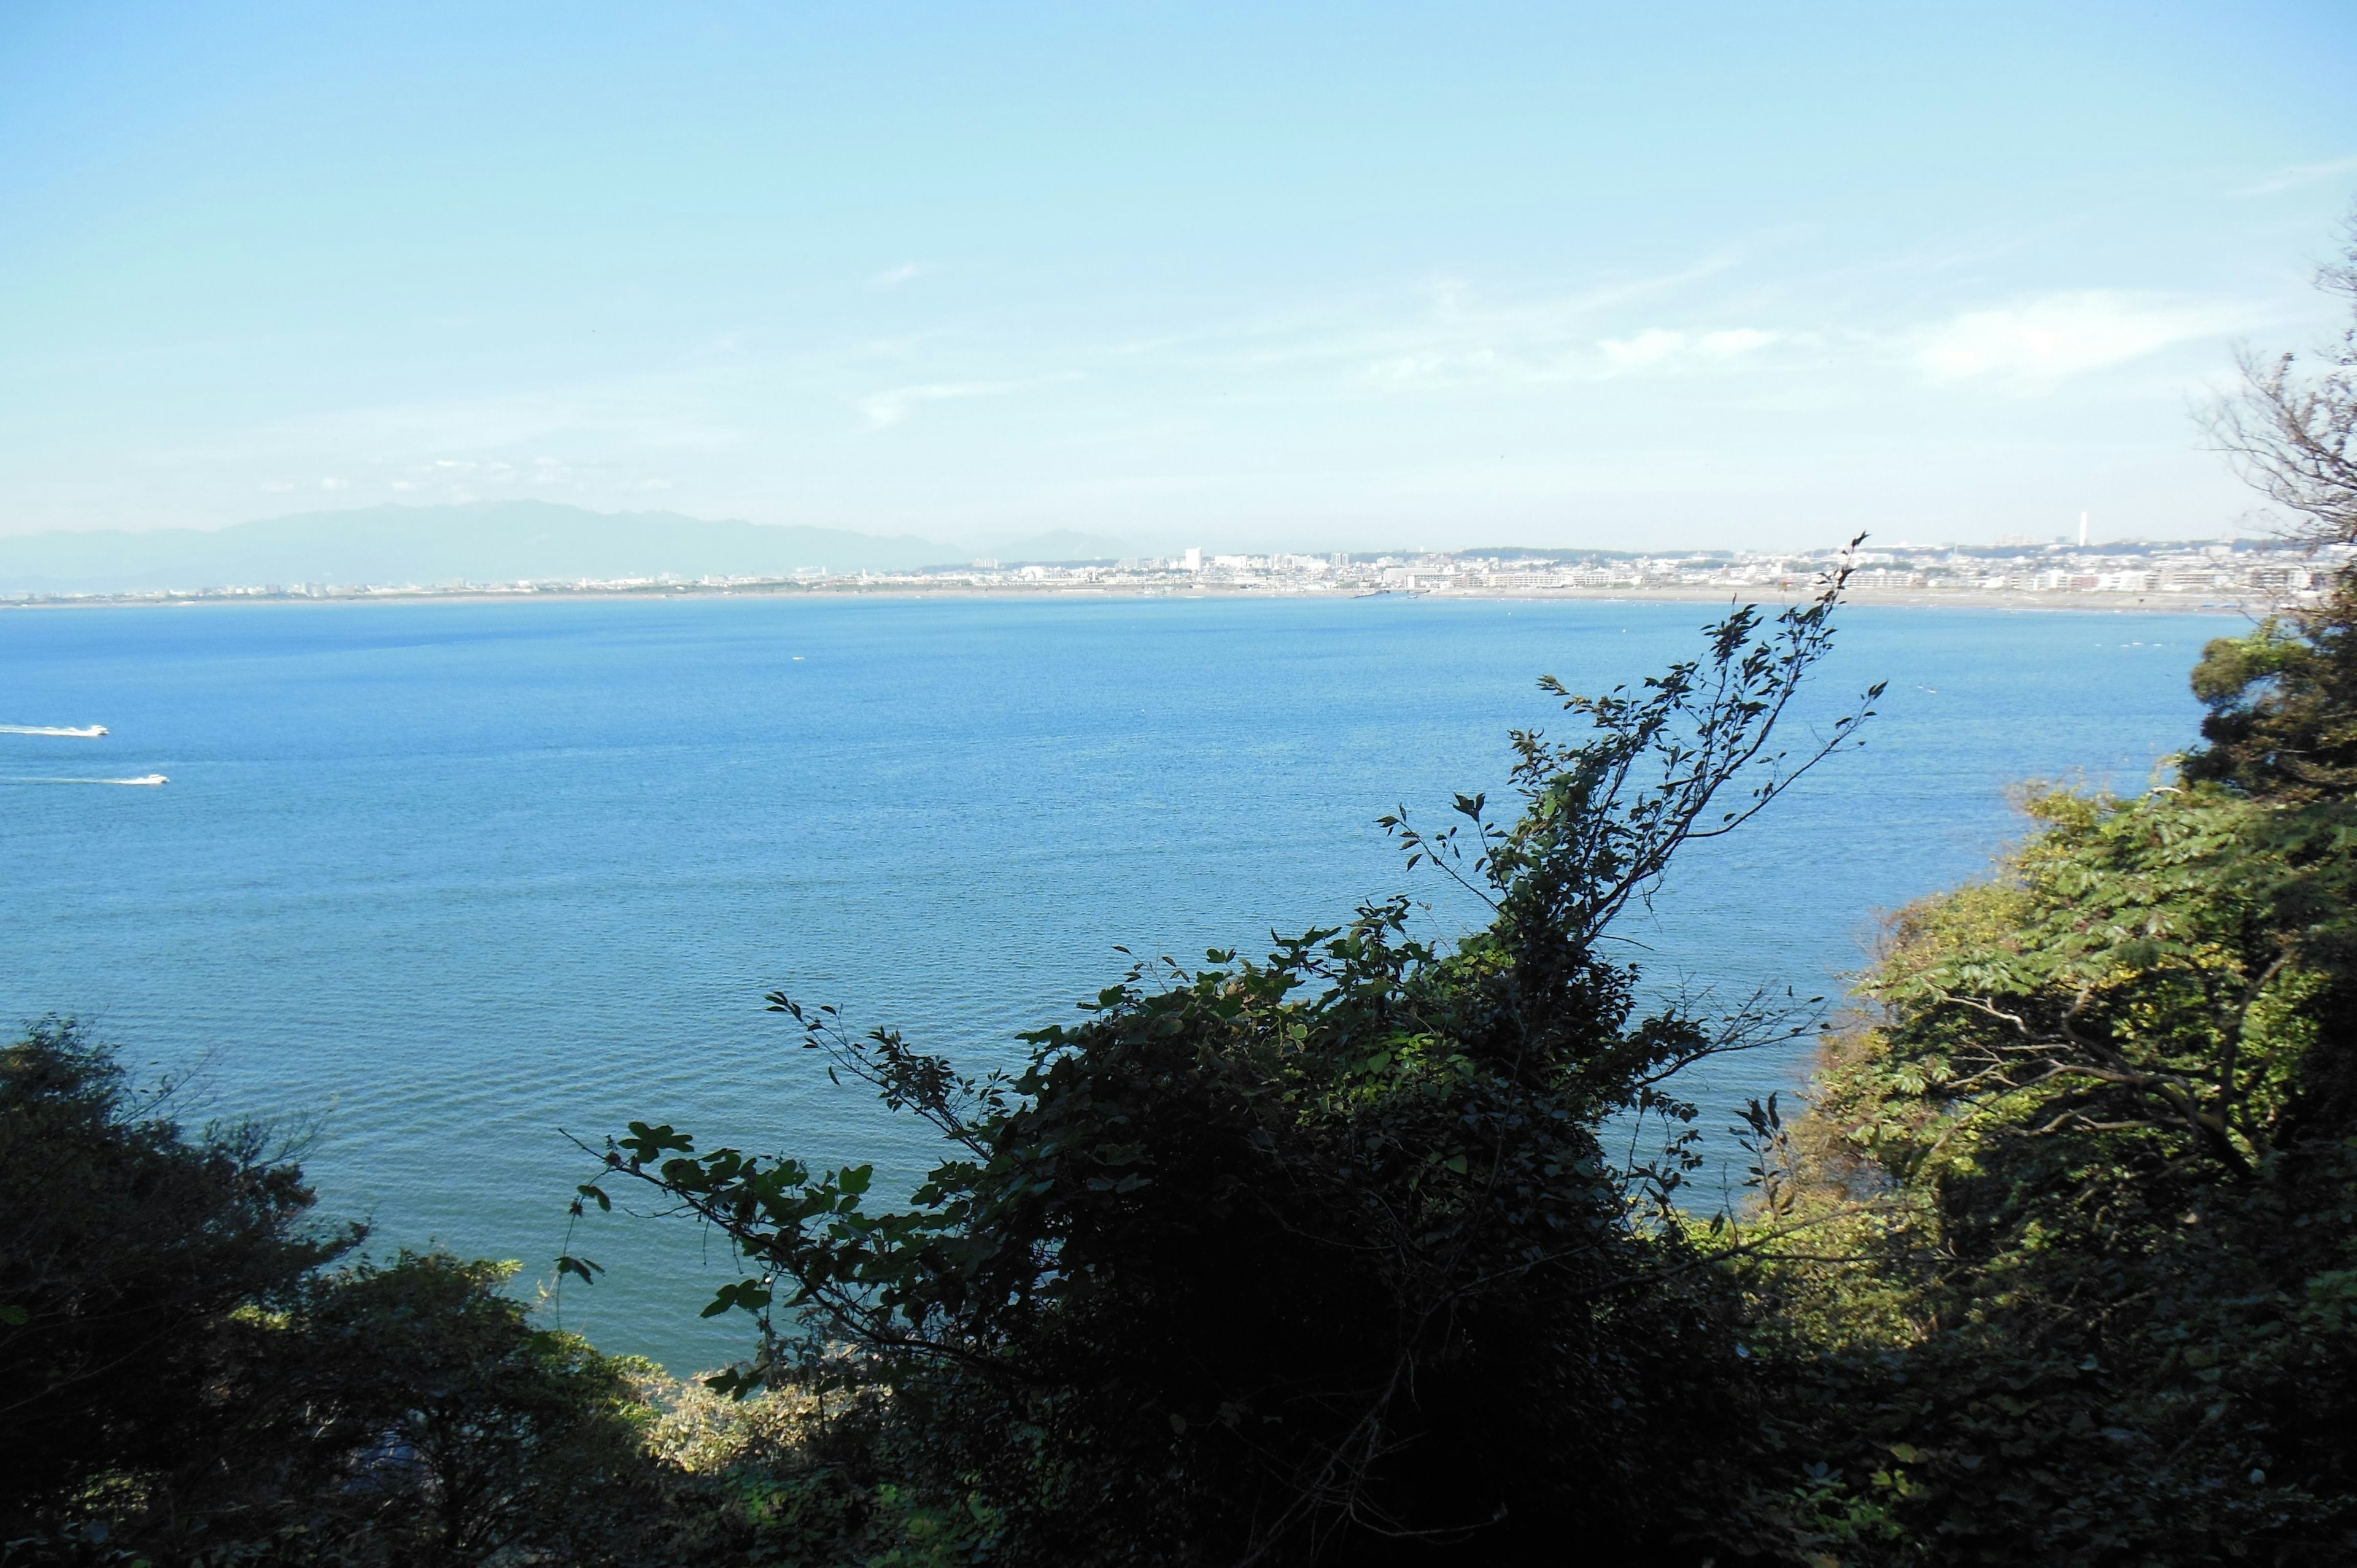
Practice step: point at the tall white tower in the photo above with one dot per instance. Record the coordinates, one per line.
(2083, 530)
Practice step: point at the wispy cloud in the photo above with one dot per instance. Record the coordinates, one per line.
(895, 404)
(893, 277)
(1454, 335)
(1536, 362)
(1435, 331)
(1660, 347)
(2298, 176)
(2052, 338)
(674, 410)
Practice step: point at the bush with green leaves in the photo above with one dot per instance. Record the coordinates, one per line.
(2080, 1207)
(1324, 1253)
(188, 1381)
(126, 1245)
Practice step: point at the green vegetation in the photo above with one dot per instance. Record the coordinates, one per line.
(1374, 1251)
(1324, 1249)
(2081, 1203)
(190, 1379)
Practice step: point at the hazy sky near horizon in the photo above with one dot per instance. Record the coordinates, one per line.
(1241, 275)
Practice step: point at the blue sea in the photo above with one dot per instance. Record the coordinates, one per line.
(455, 880)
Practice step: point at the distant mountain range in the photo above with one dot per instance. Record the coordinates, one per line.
(485, 542)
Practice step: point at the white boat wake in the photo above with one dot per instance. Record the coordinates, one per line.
(150, 779)
(87, 732)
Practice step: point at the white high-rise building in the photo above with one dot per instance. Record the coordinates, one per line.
(1195, 558)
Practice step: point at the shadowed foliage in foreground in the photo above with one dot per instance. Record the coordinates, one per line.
(1325, 1252)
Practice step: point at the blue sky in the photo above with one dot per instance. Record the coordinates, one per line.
(1246, 277)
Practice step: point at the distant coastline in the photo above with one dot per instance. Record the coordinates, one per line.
(2082, 602)
(542, 549)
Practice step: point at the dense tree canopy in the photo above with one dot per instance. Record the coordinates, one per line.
(123, 1242)
(190, 1380)
(2085, 1206)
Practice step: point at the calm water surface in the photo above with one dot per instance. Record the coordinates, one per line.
(451, 877)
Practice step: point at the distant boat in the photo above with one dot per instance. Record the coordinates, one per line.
(87, 732)
(146, 779)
